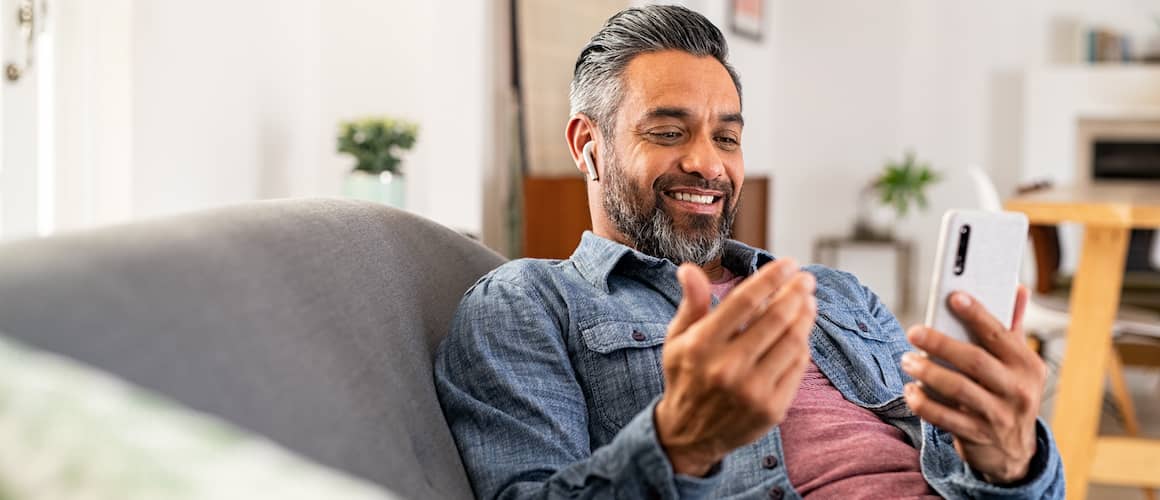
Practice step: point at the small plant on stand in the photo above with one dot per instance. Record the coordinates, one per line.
(377, 145)
(900, 186)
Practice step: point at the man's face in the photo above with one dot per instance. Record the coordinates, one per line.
(674, 172)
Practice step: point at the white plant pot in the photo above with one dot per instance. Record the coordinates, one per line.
(385, 188)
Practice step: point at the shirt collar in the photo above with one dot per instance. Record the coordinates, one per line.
(596, 257)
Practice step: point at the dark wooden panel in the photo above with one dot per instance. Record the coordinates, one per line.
(556, 214)
(750, 225)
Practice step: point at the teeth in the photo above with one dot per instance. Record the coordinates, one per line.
(694, 198)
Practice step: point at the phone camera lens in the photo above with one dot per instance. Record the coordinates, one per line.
(961, 253)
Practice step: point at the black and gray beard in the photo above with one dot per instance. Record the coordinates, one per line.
(651, 230)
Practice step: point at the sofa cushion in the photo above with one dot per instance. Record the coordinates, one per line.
(312, 322)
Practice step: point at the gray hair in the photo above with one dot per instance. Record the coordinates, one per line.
(597, 88)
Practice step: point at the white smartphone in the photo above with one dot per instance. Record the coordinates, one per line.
(978, 253)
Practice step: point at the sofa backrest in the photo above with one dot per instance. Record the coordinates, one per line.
(312, 322)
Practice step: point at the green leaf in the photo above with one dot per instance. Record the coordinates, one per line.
(902, 184)
(376, 143)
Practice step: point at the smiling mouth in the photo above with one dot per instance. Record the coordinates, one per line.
(700, 199)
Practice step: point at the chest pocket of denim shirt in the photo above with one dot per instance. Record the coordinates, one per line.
(623, 367)
(864, 338)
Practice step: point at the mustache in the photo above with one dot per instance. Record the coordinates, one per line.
(672, 181)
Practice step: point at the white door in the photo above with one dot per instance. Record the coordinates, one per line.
(25, 109)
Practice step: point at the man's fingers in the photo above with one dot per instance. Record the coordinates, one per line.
(695, 300)
(971, 359)
(990, 333)
(954, 421)
(772, 346)
(793, 310)
(788, 348)
(1022, 294)
(954, 387)
(745, 302)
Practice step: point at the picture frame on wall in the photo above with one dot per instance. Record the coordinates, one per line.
(746, 18)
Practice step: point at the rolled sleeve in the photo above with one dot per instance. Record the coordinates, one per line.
(637, 447)
(1044, 478)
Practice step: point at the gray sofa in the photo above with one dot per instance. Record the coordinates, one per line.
(312, 322)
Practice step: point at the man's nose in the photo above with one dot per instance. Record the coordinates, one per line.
(703, 159)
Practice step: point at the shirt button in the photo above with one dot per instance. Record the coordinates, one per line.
(769, 462)
(776, 494)
(862, 326)
(637, 336)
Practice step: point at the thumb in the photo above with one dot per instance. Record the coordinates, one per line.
(695, 299)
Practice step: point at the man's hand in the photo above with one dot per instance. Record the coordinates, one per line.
(992, 404)
(731, 374)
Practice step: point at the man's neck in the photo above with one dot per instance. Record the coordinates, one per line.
(714, 270)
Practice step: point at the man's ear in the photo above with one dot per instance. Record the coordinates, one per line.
(579, 133)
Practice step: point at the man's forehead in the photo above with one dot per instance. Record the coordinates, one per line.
(675, 83)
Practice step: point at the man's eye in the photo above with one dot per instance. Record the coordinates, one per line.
(728, 141)
(667, 136)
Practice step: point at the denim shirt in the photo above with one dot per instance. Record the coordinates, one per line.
(552, 370)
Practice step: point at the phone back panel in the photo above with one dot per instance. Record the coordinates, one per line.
(990, 271)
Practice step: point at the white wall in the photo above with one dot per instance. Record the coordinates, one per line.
(223, 105)
(837, 104)
(242, 106)
(864, 82)
(431, 62)
(231, 101)
(857, 82)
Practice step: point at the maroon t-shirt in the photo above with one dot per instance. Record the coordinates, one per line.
(836, 449)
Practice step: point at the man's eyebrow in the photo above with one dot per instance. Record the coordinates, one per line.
(667, 112)
(732, 118)
(683, 113)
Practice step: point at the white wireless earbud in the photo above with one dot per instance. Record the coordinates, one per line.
(587, 153)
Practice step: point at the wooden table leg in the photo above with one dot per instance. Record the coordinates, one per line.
(1123, 398)
(1095, 297)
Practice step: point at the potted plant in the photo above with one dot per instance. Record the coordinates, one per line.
(890, 196)
(376, 144)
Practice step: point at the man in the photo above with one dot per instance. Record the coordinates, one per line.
(774, 381)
